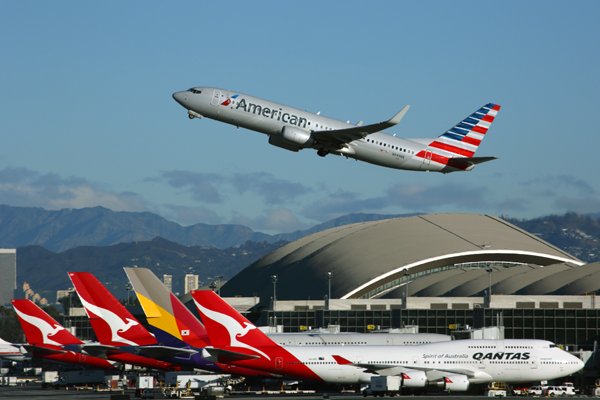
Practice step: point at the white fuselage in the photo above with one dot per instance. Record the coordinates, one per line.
(270, 118)
(355, 339)
(510, 360)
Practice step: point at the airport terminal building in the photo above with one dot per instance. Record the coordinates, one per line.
(447, 265)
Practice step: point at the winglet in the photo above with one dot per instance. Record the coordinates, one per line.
(398, 117)
(341, 360)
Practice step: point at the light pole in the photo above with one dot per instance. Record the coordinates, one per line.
(219, 284)
(329, 277)
(489, 270)
(128, 287)
(274, 279)
(406, 274)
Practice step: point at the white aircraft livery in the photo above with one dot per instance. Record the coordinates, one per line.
(293, 129)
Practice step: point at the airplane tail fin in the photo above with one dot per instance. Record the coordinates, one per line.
(226, 327)
(111, 321)
(170, 320)
(463, 139)
(39, 327)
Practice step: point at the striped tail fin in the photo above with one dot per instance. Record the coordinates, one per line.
(463, 139)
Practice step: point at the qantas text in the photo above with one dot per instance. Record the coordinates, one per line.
(501, 356)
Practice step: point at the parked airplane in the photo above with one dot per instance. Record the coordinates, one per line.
(293, 129)
(10, 352)
(50, 340)
(119, 334)
(453, 366)
(175, 326)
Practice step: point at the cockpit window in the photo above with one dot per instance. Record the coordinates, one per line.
(553, 345)
(194, 91)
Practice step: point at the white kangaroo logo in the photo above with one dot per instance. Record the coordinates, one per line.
(234, 328)
(115, 323)
(46, 329)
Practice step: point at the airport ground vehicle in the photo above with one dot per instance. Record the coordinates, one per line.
(383, 386)
(567, 389)
(71, 378)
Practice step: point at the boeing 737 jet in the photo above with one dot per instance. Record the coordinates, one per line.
(293, 129)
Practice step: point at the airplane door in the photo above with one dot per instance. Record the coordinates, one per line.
(389, 340)
(415, 361)
(534, 364)
(427, 158)
(216, 99)
(279, 363)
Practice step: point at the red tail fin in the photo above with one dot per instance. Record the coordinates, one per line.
(111, 321)
(39, 327)
(227, 327)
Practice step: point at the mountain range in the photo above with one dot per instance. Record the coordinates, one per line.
(101, 241)
(65, 229)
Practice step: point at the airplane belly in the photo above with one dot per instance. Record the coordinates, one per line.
(385, 158)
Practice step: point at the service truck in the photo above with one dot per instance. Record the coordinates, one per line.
(383, 386)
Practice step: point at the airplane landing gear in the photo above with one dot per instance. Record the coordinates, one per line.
(193, 114)
(322, 153)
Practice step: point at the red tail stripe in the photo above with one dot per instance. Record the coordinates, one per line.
(496, 107)
(488, 118)
(479, 129)
(452, 149)
(471, 140)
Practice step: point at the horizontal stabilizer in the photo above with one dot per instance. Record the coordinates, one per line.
(99, 350)
(158, 352)
(42, 350)
(224, 356)
(468, 162)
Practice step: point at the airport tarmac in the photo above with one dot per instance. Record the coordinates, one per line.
(36, 393)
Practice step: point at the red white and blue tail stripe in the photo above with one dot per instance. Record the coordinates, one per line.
(463, 139)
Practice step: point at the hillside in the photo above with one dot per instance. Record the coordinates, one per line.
(46, 271)
(576, 234)
(98, 226)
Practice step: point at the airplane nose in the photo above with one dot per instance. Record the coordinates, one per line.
(179, 97)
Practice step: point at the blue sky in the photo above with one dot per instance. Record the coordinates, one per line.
(87, 118)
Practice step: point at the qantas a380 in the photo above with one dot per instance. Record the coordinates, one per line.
(293, 129)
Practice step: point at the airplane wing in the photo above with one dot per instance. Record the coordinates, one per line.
(159, 352)
(392, 370)
(341, 136)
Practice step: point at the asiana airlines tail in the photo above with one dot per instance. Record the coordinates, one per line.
(294, 129)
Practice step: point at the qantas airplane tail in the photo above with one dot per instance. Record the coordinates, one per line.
(226, 327)
(111, 321)
(170, 320)
(39, 327)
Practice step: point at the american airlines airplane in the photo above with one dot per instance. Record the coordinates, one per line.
(453, 366)
(293, 129)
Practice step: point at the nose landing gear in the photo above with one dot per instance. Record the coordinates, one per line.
(194, 114)
(322, 153)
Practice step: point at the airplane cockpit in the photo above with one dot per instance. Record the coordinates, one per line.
(195, 91)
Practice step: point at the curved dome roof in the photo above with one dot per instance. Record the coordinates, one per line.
(370, 259)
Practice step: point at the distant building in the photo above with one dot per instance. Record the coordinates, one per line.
(63, 293)
(8, 272)
(191, 282)
(168, 282)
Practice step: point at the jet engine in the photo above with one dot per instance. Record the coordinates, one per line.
(414, 379)
(276, 141)
(296, 136)
(458, 383)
